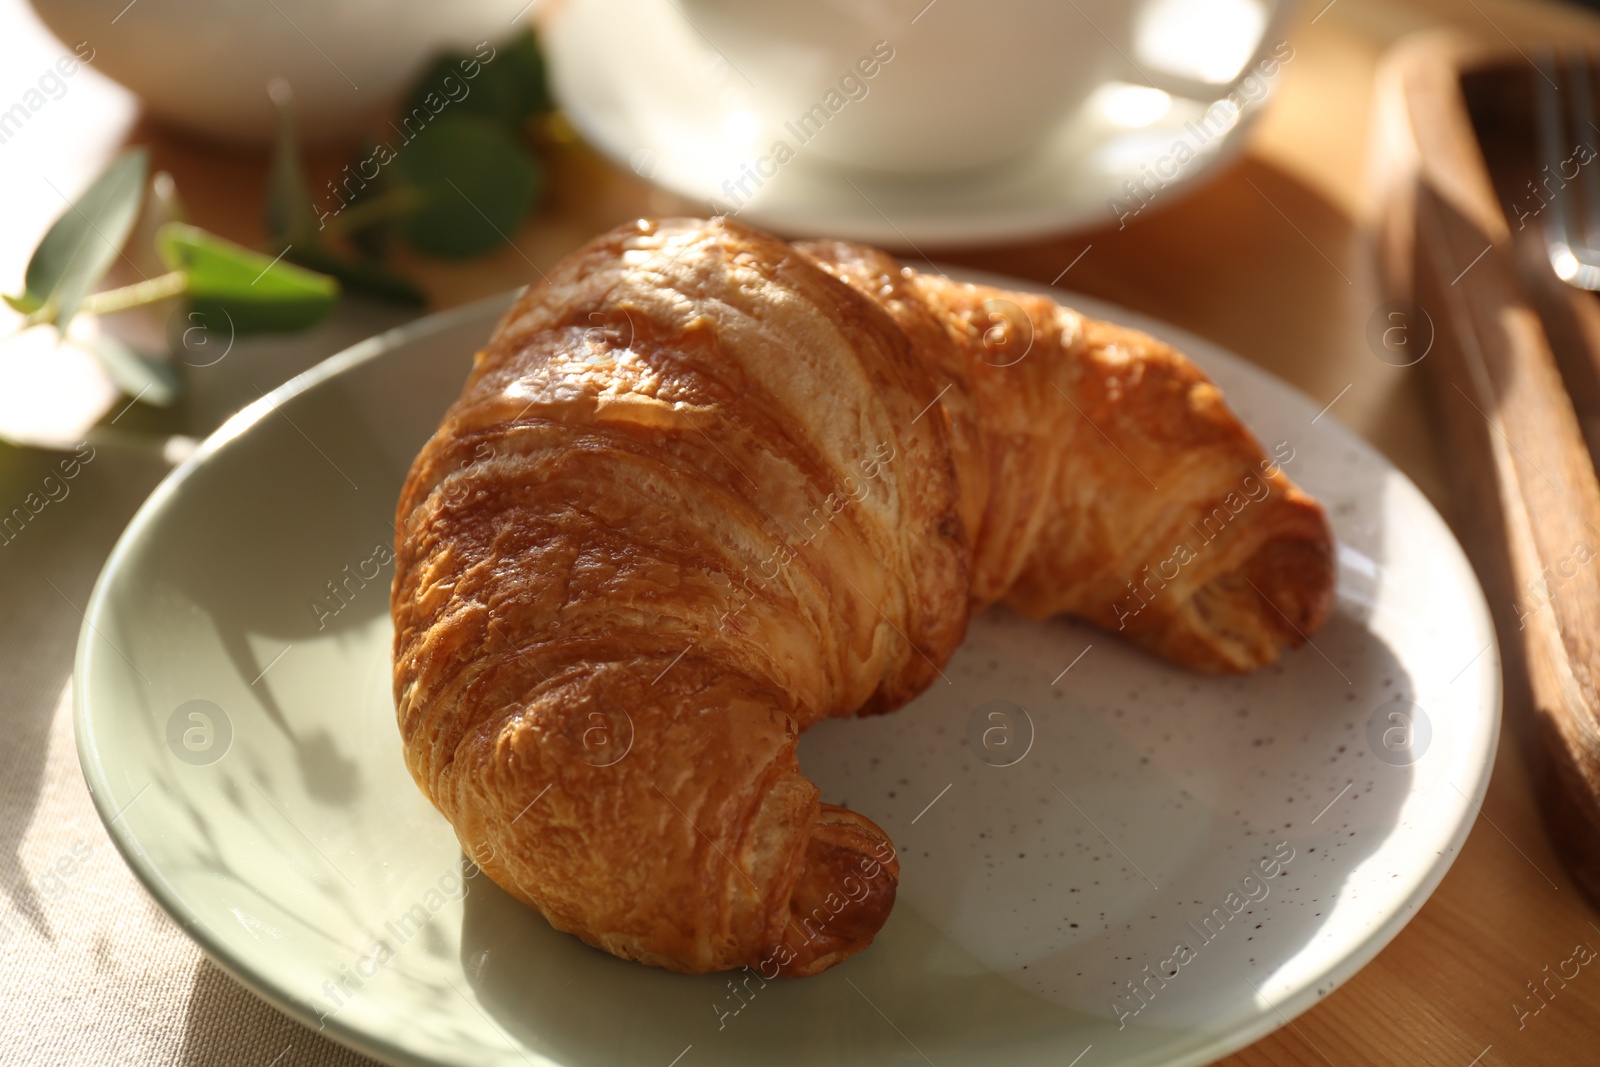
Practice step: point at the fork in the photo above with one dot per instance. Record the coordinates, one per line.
(1573, 245)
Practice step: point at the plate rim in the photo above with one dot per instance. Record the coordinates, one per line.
(1206, 1048)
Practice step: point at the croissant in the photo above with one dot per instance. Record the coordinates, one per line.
(705, 488)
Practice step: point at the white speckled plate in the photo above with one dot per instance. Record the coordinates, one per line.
(1106, 860)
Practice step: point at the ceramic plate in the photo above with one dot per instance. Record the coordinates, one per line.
(647, 89)
(1106, 860)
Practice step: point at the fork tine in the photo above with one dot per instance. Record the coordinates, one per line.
(1569, 253)
(1584, 131)
(1558, 232)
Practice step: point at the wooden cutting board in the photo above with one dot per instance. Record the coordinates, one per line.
(1513, 356)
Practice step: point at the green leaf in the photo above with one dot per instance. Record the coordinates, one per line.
(82, 244)
(522, 63)
(149, 380)
(255, 292)
(23, 304)
(288, 214)
(359, 276)
(447, 80)
(476, 183)
(509, 87)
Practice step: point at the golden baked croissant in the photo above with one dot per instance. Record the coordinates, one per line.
(705, 488)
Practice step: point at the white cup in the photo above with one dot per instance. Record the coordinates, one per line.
(908, 86)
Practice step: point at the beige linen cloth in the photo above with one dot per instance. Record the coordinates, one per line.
(92, 972)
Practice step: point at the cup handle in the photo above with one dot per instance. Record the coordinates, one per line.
(1273, 33)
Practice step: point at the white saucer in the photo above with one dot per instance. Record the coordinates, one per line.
(650, 92)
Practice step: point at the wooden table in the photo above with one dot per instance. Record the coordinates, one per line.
(1273, 260)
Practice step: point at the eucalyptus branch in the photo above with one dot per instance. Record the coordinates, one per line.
(394, 204)
(150, 291)
(38, 316)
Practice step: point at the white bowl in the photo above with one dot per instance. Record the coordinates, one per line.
(206, 65)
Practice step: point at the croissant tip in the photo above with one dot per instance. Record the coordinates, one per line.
(843, 896)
